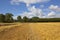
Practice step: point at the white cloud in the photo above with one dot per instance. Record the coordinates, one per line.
(33, 12)
(58, 16)
(51, 14)
(28, 1)
(54, 7)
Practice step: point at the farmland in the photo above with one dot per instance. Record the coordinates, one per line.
(30, 31)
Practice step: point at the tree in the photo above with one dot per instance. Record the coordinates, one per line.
(2, 18)
(34, 19)
(25, 19)
(8, 17)
(19, 19)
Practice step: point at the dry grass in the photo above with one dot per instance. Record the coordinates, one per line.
(30, 31)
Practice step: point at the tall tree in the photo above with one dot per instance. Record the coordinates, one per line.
(8, 17)
(34, 19)
(25, 19)
(19, 19)
(2, 18)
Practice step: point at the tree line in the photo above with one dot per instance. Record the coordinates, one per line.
(8, 18)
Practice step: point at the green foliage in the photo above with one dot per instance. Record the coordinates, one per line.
(8, 17)
(19, 19)
(25, 19)
(2, 18)
(34, 19)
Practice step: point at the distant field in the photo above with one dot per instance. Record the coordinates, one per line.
(30, 31)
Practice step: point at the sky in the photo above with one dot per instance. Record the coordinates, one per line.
(31, 8)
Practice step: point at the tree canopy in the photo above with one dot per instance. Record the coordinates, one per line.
(2, 18)
(8, 17)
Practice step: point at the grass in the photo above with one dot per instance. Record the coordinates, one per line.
(30, 31)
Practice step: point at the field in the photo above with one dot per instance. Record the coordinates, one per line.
(30, 31)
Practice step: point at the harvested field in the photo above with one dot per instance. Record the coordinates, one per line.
(30, 31)
(6, 24)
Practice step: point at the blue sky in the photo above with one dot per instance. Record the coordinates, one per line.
(19, 7)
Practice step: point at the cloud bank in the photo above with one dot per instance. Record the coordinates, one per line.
(54, 7)
(33, 11)
(28, 2)
(51, 14)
